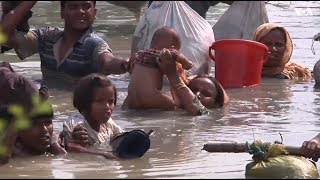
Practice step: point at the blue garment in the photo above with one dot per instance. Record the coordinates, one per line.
(79, 63)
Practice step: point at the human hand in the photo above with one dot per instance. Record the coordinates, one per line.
(108, 155)
(80, 136)
(166, 63)
(311, 149)
(131, 62)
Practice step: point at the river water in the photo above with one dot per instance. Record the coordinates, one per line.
(288, 107)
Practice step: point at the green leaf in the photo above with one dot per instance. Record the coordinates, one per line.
(3, 125)
(40, 107)
(3, 37)
(22, 123)
(3, 150)
(17, 110)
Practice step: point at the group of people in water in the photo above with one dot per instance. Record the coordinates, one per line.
(78, 55)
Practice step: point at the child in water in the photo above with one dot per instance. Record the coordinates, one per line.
(95, 98)
(144, 90)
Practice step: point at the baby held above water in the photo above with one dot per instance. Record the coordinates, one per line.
(146, 81)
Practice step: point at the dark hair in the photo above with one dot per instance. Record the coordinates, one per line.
(166, 30)
(220, 95)
(83, 92)
(63, 4)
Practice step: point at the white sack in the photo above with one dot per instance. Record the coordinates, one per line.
(241, 20)
(195, 32)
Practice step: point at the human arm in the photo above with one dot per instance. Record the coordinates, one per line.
(184, 61)
(184, 94)
(109, 64)
(79, 142)
(11, 21)
(56, 146)
(311, 148)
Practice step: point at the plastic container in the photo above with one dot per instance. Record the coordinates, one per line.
(238, 62)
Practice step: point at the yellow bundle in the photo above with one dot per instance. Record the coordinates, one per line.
(274, 161)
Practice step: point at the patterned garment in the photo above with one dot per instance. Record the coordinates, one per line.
(148, 57)
(80, 60)
(107, 131)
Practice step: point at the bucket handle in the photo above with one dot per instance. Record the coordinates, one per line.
(210, 53)
(266, 57)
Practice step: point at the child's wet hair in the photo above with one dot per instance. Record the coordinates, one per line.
(166, 31)
(83, 92)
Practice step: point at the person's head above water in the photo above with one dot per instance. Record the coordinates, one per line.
(208, 90)
(78, 15)
(279, 43)
(165, 37)
(95, 97)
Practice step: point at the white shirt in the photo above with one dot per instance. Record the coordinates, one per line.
(106, 131)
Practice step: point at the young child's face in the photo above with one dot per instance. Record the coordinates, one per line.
(102, 105)
(205, 90)
(38, 136)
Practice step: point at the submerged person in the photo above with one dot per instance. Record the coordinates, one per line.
(95, 98)
(146, 79)
(37, 139)
(195, 94)
(280, 46)
(68, 53)
(34, 140)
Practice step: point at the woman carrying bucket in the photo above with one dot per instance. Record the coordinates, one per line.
(279, 43)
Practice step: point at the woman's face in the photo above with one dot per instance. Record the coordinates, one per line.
(205, 90)
(275, 40)
(38, 137)
(102, 105)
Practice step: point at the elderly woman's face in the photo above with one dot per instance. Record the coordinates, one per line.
(275, 40)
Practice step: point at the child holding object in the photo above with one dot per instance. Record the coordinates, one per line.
(95, 98)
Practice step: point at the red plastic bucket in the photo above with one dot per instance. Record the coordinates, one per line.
(238, 62)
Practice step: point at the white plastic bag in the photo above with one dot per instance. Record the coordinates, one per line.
(241, 20)
(195, 32)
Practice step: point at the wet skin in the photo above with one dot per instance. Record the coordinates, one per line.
(205, 90)
(275, 40)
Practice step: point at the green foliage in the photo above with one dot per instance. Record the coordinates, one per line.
(21, 119)
(21, 122)
(3, 37)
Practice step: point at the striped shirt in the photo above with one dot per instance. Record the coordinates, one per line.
(80, 60)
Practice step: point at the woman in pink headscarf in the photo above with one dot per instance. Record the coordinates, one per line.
(279, 42)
